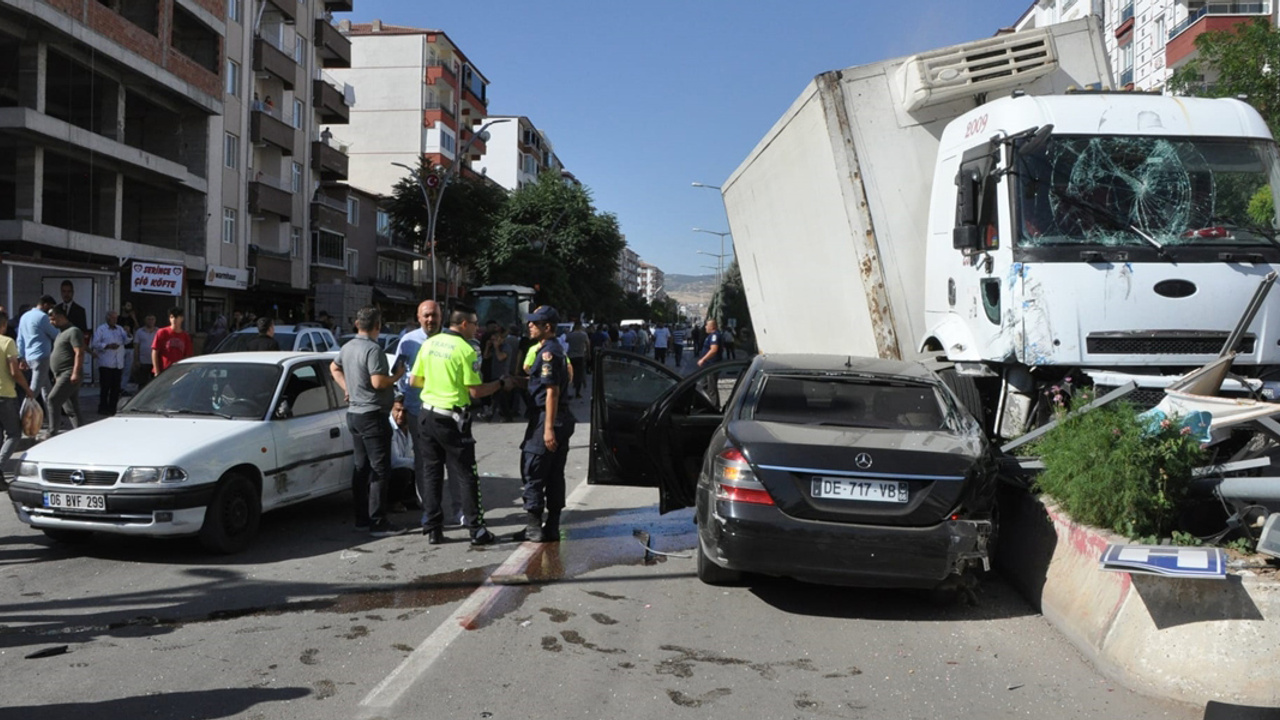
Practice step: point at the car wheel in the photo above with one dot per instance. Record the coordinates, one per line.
(67, 537)
(232, 518)
(965, 390)
(711, 573)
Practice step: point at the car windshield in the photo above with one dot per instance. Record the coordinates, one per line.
(239, 342)
(849, 402)
(1127, 191)
(230, 390)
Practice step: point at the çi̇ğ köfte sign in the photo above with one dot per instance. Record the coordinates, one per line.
(156, 278)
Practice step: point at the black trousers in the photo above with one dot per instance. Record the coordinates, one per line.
(678, 350)
(543, 472)
(371, 439)
(446, 444)
(660, 354)
(579, 373)
(109, 391)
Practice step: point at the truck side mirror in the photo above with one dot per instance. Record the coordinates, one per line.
(965, 235)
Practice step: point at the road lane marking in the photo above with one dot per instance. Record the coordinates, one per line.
(393, 686)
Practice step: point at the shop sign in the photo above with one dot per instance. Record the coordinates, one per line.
(227, 277)
(156, 278)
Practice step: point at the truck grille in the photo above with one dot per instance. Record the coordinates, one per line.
(62, 476)
(1157, 343)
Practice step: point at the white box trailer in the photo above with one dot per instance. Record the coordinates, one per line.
(829, 213)
(974, 203)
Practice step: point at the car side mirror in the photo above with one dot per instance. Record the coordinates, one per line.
(282, 410)
(965, 234)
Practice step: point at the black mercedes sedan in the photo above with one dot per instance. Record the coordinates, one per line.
(840, 470)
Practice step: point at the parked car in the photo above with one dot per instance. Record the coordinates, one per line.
(221, 439)
(295, 338)
(851, 471)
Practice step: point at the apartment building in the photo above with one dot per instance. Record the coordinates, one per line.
(650, 281)
(419, 97)
(282, 160)
(517, 152)
(107, 117)
(1147, 40)
(628, 270)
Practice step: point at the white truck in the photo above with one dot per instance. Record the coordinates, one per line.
(993, 204)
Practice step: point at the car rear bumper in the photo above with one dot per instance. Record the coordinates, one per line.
(762, 539)
(169, 512)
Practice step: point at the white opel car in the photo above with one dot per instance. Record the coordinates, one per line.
(204, 449)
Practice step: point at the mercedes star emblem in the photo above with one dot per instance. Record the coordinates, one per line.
(863, 461)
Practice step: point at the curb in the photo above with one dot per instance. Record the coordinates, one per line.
(1182, 639)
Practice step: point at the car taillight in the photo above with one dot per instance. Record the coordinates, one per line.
(736, 482)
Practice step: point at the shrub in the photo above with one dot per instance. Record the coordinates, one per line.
(1106, 469)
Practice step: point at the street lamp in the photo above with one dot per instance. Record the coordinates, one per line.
(439, 181)
(698, 184)
(719, 268)
(723, 254)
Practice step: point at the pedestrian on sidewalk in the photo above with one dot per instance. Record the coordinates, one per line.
(361, 371)
(66, 363)
(545, 448)
(677, 343)
(11, 378)
(579, 344)
(171, 344)
(143, 340)
(447, 371)
(661, 339)
(108, 347)
(265, 340)
(35, 342)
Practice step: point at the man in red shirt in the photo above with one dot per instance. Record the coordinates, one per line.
(171, 344)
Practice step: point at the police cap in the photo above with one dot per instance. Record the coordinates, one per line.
(543, 314)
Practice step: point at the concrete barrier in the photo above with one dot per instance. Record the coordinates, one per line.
(1183, 639)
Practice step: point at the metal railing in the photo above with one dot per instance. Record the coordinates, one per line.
(1234, 8)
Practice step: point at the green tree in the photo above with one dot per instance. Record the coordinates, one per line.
(1242, 61)
(730, 299)
(469, 213)
(549, 235)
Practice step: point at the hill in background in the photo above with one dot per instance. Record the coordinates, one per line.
(690, 289)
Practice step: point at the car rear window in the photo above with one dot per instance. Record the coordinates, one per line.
(849, 402)
(239, 342)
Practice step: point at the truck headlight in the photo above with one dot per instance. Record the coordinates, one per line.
(28, 470)
(145, 475)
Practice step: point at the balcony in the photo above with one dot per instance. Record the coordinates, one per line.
(329, 213)
(1208, 18)
(437, 112)
(267, 128)
(1126, 20)
(265, 196)
(329, 161)
(270, 59)
(438, 69)
(392, 245)
(334, 47)
(337, 5)
(287, 8)
(330, 102)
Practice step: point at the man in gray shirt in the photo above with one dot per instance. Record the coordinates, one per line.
(361, 371)
(66, 362)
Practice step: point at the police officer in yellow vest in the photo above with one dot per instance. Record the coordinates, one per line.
(448, 372)
(546, 441)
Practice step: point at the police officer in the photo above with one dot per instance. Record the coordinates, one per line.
(448, 372)
(546, 440)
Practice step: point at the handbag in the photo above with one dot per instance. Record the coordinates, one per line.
(32, 417)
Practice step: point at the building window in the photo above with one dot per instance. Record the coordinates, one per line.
(297, 113)
(233, 78)
(231, 151)
(300, 50)
(448, 142)
(384, 223)
(330, 249)
(235, 10)
(404, 273)
(295, 181)
(229, 226)
(353, 262)
(295, 242)
(353, 211)
(386, 270)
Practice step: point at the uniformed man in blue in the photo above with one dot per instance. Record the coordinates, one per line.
(546, 441)
(448, 372)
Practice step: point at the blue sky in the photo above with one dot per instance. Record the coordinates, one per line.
(643, 97)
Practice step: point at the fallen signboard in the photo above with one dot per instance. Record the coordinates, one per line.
(1167, 560)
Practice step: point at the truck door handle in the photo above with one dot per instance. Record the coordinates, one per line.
(334, 432)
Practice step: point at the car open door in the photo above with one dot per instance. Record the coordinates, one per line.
(624, 388)
(680, 426)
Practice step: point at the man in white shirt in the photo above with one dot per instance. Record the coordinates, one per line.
(142, 341)
(661, 338)
(108, 346)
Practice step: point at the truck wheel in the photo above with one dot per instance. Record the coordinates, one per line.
(966, 391)
(711, 573)
(232, 518)
(67, 537)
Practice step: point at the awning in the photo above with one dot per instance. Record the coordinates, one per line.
(393, 294)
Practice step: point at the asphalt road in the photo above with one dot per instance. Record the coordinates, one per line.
(319, 622)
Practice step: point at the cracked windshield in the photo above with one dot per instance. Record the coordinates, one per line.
(1116, 191)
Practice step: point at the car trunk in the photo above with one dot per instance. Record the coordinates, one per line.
(859, 473)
